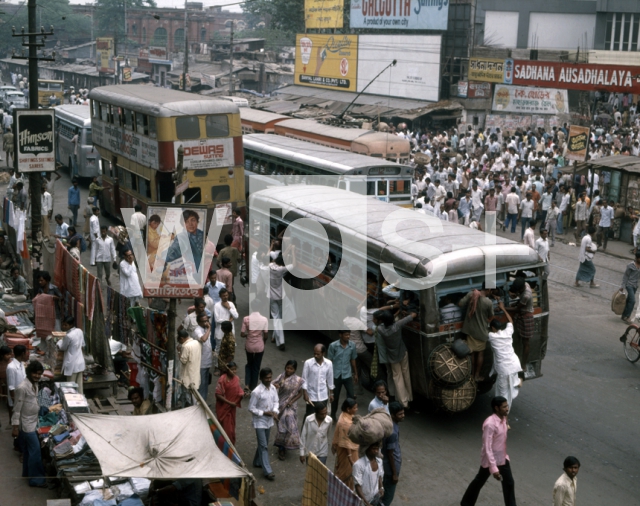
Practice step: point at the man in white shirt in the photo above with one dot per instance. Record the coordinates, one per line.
(94, 232)
(275, 292)
(513, 204)
(129, 283)
(563, 208)
(16, 372)
(439, 194)
(314, 437)
(189, 353)
(138, 219)
(103, 253)
(202, 334)
(223, 311)
(526, 213)
(367, 475)
(317, 375)
(606, 218)
(529, 236)
(263, 407)
(47, 208)
(61, 228)
(476, 201)
(119, 355)
(506, 363)
(214, 286)
(73, 364)
(542, 249)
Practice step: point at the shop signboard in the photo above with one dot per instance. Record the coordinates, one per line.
(527, 100)
(327, 61)
(399, 14)
(35, 140)
(323, 13)
(577, 76)
(104, 55)
(578, 143)
(491, 70)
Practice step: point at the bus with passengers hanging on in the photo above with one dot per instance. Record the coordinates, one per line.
(138, 129)
(348, 267)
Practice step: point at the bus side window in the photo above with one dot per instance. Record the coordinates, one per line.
(382, 188)
(144, 188)
(217, 125)
(188, 127)
(152, 127)
(141, 123)
(115, 115)
(95, 113)
(127, 119)
(104, 112)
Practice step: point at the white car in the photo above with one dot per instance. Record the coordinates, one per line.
(5, 89)
(13, 99)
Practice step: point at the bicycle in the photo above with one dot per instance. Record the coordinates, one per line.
(631, 342)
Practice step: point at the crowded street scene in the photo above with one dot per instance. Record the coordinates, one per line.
(251, 256)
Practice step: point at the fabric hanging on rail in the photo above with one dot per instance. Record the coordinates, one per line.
(44, 308)
(59, 276)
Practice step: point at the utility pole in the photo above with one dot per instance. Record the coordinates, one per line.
(35, 178)
(231, 90)
(185, 66)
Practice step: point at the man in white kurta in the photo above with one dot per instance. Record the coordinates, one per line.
(94, 233)
(506, 363)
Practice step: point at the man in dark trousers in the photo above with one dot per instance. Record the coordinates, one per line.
(392, 456)
(494, 459)
(630, 284)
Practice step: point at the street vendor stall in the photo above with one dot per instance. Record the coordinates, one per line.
(618, 180)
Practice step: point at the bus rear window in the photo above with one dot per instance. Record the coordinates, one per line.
(152, 126)
(220, 193)
(400, 187)
(188, 127)
(87, 137)
(55, 86)
(217, 126)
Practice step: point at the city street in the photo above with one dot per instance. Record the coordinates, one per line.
(586, 405)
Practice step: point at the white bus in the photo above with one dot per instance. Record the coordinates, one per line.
(72, 120)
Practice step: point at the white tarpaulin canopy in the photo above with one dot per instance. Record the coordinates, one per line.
(171, 445)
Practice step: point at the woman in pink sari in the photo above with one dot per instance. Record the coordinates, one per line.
(289, 387)
(229, 394)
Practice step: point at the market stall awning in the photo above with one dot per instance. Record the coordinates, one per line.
(171, 445)
(618, 162)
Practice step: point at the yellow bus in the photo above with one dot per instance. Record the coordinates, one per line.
(138, 130)
(48, 87)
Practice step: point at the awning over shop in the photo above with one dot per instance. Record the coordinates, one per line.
(618, 162)
(170, 445)
(335, 102)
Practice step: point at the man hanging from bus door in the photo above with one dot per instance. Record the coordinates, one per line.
(74, 157)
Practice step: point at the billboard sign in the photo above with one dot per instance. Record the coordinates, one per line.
(527, 100)
(176, 256)
(104, 55)
(206, 153)
(158, 53)
(578, 143)
(577, 76)
(491, 70)
(35, 140)
(399, 15)
(416, 77)
(327, 61)
(323, 13)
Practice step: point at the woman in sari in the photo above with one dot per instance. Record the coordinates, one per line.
(342, 447)
(227, 347)
(289, 387)
(229, 394)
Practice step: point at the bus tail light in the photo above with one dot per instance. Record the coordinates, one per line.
(238, 153)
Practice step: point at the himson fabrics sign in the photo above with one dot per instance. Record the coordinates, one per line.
(577, 76)
(530, 100)
(35, 141)
(399, 14)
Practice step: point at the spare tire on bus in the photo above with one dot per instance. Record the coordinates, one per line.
(453, 400)
(446, 369)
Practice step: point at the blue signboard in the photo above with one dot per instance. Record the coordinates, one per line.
(400, 14)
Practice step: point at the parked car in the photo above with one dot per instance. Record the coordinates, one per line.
(5, 89)
(13, 99)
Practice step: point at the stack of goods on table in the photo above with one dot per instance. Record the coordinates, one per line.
(73, 460)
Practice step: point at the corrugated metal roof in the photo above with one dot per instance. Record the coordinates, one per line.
(621, 162)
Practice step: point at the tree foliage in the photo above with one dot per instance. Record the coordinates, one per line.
(110, 16)
(285, 15)
(70, 28)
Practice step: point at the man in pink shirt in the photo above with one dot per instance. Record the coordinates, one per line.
(255, 328)
(494, 459)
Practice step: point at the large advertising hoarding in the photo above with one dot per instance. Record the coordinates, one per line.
(416, 74)
(323, 13)
(104, 55)
(577, 76)
(399, 14)
(178, 253)
(206, 153)
(35, 141)
(528, 100)
(327, 61)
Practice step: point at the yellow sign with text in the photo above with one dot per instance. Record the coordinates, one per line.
(327, 61)
(489, 70)
(323, 13)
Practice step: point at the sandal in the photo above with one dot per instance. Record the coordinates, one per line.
(281, 454)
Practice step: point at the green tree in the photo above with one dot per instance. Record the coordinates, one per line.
(110, 16)
(69, 28)
(285, 15)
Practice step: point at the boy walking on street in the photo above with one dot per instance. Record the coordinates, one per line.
(564, 491)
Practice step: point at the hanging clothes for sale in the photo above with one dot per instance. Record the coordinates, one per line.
(59, 276)
(44, 308)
